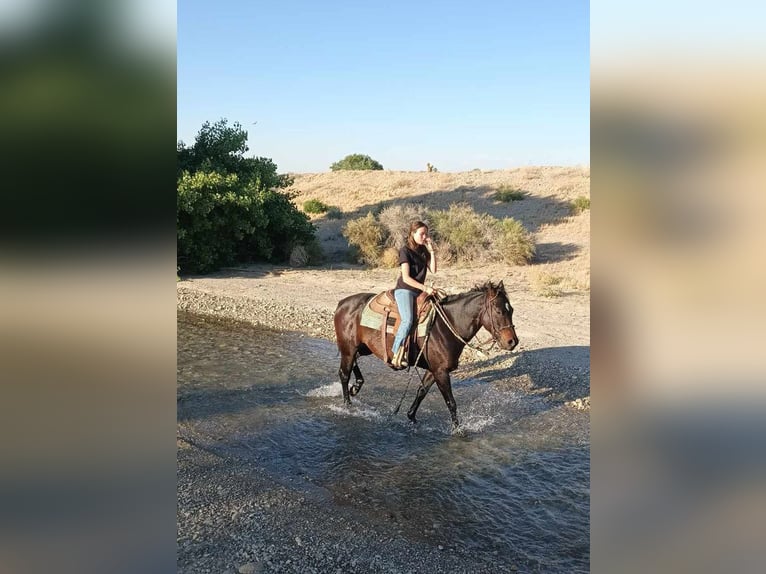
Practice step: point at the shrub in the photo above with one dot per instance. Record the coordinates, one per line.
(334, 213)
(389, 258)
(315, 253)
(308, 254)
(464, 230)
(579, 205)
(368, 236)
(460, 234)
(506, 193)
(396, 219)
(315, 206)
(299, 257)
(356, 161)
(513, 244)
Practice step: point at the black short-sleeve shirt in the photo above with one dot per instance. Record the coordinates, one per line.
(418, 268)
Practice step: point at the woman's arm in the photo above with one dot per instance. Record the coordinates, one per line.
(432, 259)
(432, 253)
(411, 282)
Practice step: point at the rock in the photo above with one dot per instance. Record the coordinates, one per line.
(250, 568)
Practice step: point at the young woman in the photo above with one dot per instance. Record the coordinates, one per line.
(416, 258)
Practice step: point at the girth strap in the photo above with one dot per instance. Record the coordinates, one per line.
(383, 327)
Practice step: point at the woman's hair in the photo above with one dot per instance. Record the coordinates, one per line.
(419, 249)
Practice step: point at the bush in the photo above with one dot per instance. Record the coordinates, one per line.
(299, 257)
(513, 244)
(356, 161)
(506, 193)
(579, 205)
(334, 213)
(396, 219)
(464, 230)
(459, 233)
(389, 258)
(315, 206)
(368, 236)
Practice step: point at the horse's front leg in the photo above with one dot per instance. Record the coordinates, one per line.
(358, 378)
(445, 386)
(428, 380)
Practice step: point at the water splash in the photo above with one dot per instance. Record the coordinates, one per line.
(476, 423)
(358, 411)
(331, 390)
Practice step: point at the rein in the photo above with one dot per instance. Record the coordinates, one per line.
(443, 315)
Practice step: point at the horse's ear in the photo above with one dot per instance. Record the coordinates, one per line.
(500, 286)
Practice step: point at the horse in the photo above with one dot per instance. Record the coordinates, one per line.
(461, 317)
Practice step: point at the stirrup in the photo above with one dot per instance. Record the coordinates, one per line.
(398, 360)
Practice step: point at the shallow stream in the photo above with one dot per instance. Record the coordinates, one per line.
(512, 486)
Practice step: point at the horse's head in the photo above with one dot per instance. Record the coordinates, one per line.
(497, 317)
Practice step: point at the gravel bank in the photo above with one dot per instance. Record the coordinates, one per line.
(315, 321)
(233, 517)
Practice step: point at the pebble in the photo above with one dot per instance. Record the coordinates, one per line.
(249, 568)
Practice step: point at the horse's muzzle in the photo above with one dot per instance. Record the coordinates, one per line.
(508, 344)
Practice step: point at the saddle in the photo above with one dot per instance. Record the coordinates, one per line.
(383, 305)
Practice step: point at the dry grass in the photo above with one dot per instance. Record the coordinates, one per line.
(547, 285)
(580, 204)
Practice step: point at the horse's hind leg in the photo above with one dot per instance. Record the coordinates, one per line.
(428, 380)
(344, 372)
(358, 378)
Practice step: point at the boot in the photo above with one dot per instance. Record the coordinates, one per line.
(399, 361)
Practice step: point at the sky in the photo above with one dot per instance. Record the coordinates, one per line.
(461, 85)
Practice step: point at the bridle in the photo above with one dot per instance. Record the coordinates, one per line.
(486, 308)
(495, 331)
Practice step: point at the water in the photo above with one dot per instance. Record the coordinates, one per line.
(512, 486)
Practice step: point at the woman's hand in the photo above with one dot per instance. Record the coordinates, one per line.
(429, 245)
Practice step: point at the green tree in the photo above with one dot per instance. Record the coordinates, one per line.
(230, 208)
(221, 148)
(356, 161)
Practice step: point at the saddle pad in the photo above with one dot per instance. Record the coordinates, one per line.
(374, 320)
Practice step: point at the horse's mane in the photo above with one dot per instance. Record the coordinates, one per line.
(478, 288)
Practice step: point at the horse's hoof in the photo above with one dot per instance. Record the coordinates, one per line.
(412, 419)
(353, 390)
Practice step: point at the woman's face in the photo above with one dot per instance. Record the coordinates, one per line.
(419, 235)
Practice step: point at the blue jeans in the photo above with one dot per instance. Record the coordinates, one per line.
(405, 301)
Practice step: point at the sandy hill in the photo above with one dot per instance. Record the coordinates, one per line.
(563, 240)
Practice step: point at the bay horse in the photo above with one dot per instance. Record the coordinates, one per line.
(485, 306)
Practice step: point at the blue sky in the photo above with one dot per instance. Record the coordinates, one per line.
(462, 85)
